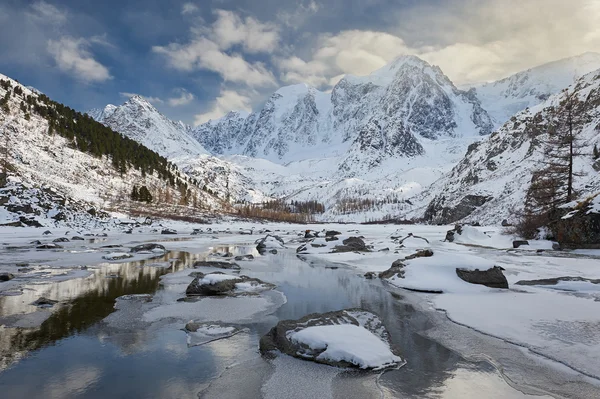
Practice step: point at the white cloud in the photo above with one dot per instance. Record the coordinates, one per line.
(189, 8)
(101, 40)
(349, 52)
(202, 53)
(153, 100)
(44, 12)
(230, 29)
(211, 48)
(471, 41)
(298, 17)
(72, 55)
(228, 100)
(184, 98)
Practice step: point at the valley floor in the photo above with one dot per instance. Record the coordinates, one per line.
(123, 318)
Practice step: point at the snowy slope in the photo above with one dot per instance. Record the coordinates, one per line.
(491, 181)
(504, 98)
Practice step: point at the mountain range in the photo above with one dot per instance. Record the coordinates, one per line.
(405, 138)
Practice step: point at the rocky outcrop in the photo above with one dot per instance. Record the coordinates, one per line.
(493, 278)
(439, 213)
(580, 228)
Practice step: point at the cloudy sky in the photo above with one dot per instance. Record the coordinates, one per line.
(195, 60)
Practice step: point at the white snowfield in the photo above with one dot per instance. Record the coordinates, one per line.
(348, 343)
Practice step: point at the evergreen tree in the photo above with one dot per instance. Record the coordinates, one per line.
(135, 196)
(145, 195)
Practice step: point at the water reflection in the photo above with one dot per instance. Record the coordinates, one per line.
(85, 301)
(155, 362)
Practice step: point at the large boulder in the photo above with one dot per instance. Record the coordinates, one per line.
(169, 231)
(345, 338)
(493, 278)
(6, 277)
(352, 244)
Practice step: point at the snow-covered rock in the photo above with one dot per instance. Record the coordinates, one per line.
(352, 337)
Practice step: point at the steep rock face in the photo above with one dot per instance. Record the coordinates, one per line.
(386, 114)
(491, 181)
(505, 97)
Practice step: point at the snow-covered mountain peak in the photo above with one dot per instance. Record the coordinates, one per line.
(508, 96)
(385, 113)
(404, 65)
(141, 121)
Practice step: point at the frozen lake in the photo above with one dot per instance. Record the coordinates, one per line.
(83, 347)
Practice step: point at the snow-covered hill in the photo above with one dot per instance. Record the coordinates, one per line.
(491, 181)
(391, 113)
(50, 164)
(504, 98)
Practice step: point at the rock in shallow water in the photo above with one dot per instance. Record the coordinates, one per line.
(352, 244)
(217, 264)
(148, 248)
(219, 284)
(202, 333)
(345, 338)
(44, 302)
